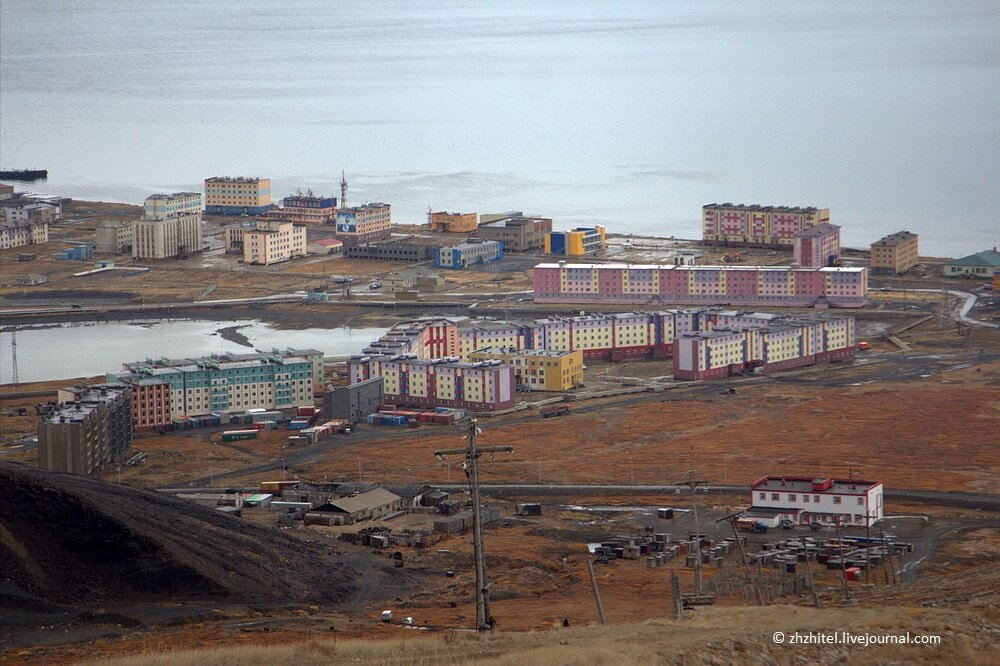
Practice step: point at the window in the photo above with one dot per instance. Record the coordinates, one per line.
(816, 499)
(763, 496)
(805, 498)
(836, 499)
(791, 497)
(775, 497)
(861, 501)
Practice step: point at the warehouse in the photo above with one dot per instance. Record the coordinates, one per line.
(373, 504)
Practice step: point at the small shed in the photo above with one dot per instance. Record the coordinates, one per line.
(31, 279)
(434, 498)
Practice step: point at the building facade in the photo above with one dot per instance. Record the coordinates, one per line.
(31, 211)
(363, 224)
(233, 382)
(460, 223)
(817, 246)
(176, 235)
(271, 242)
(805, 500)
(151, 407)
(538, 369)
(516, 233)
(468, 254)
(22, 232)
(576, 242)
(390, 251)
(160, 206)
(700, 285)
(894, 254)
(306, 209)
(440, 382)
(115, 237)
(758, 226)
(91, 428)
(225, 195)
(354, 402)
(980, 265)
(730, 348)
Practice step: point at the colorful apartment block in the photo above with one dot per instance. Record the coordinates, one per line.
(150, 402)
(817, 246)
(894, 254)
(538, 369)
(733, 343)
(468, 254)
(226, 195)
(306, 209)
(271, 242)
(700, 285)
(159, 206)
(363, 224)
(231, 382)
(576, 242)
(758, 226)
(441, 382)
(461, 223)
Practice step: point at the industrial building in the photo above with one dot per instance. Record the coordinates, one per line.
(979, 265)
(160, 206)
(78, 252)
(114, 237)
(306, 209)
(467, 254)
(805, 500)
(355, 401)
(461, 223)
(894, 254)
(371, 505)
(229, 382)
(515, 232)
(621, 284)
(226, 195)
(364, 224)
(175, 235)
(413, 279)
(731, 348)
(817, 246)
(17, 233)
(538, 369)
(91, 427)
(576, 242)
(439, 382)
(390, 251)
(758, 226)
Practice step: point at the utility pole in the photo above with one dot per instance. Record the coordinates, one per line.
(484, 620)
(597, 594)
(13, 353)
(731, 519)
(693, 484)
(843, 564)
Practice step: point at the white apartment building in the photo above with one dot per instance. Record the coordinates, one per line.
(271, 242)
(362, 224)
(173, 236)
(160, 206)
(804, 500)
(22, 232)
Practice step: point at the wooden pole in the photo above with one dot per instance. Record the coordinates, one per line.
(843, 564)
(812, 586)
(597, 594)
(743, 556)
(675, 591)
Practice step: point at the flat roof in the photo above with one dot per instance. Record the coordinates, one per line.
(762, 208)
(817, 230)
(831, 269)
(895, 239)
(805, 485)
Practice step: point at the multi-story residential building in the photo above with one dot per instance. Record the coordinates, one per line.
(441, 382)
(700, 285)
(225, 195)
(151, 408)
(233, 382)
(363, 224)
(270, 242)
(979, 265)
(160, 206)
(390, 251)
(576, 242)
(22, 232)
(29, 210)
(729, 347)
(817, 246)
(468, 254)
(115, 237)
(516, 233)
(176, 235)
(306, 209)
(6, 191)
(757, 226)
(894, 254)
(91, 428)
(538, 369)
(461, 223)
(805, 500)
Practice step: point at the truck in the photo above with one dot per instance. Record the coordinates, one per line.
(555, 410)
(751, 525)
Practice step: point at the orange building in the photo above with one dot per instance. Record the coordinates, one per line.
(460, 223)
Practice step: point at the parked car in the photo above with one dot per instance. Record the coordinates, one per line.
(375, 285)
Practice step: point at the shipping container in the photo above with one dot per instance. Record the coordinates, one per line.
(238, 435)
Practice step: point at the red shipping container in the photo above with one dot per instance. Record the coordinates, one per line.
(257, 426)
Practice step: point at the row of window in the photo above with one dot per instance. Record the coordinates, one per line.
(793, 497)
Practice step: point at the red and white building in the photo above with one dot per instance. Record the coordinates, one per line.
(804, 500)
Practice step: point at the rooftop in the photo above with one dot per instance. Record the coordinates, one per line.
(984, 258)
(895, 239)
(760, 208)
(234, 179)
(664, 267)
(805, 484)
(817, 230)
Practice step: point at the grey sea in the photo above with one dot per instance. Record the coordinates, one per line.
(628, 114)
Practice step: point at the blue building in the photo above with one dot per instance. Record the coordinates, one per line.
(468, 254)
(77, 253)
